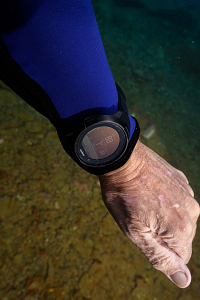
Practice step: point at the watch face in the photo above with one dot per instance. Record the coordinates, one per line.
(101, 143)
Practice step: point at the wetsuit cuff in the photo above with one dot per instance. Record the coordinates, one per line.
(132, 126)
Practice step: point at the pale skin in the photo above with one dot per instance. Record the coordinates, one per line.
(154, 205)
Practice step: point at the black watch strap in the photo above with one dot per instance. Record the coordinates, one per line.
(68, 142)
(116, 164)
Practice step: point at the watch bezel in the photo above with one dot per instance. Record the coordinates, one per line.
(86, 160)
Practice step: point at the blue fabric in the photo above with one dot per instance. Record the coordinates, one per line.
(58, 44)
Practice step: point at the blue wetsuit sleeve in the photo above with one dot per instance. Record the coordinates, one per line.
(58, 45)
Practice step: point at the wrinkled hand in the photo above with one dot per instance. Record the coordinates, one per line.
(153, 204)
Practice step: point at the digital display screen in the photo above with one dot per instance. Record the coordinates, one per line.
(101, 142)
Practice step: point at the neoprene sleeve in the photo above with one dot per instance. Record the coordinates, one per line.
(58, 45)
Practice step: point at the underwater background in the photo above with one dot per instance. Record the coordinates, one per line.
(57, 239)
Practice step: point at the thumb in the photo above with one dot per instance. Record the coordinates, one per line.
(162, 257)
(181, 278)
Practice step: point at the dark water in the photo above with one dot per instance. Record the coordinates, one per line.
(154, 53)
(57, 239)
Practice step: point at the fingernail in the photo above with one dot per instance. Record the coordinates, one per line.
(179, 278)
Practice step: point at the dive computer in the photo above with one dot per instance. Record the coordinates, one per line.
(101, 143)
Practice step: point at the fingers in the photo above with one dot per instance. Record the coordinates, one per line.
(182, 175)
(184, 181)
(168, 171)
(179, 230)
(190, 190)
(162, 257)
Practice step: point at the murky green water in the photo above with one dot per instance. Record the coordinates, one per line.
(57, 239)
